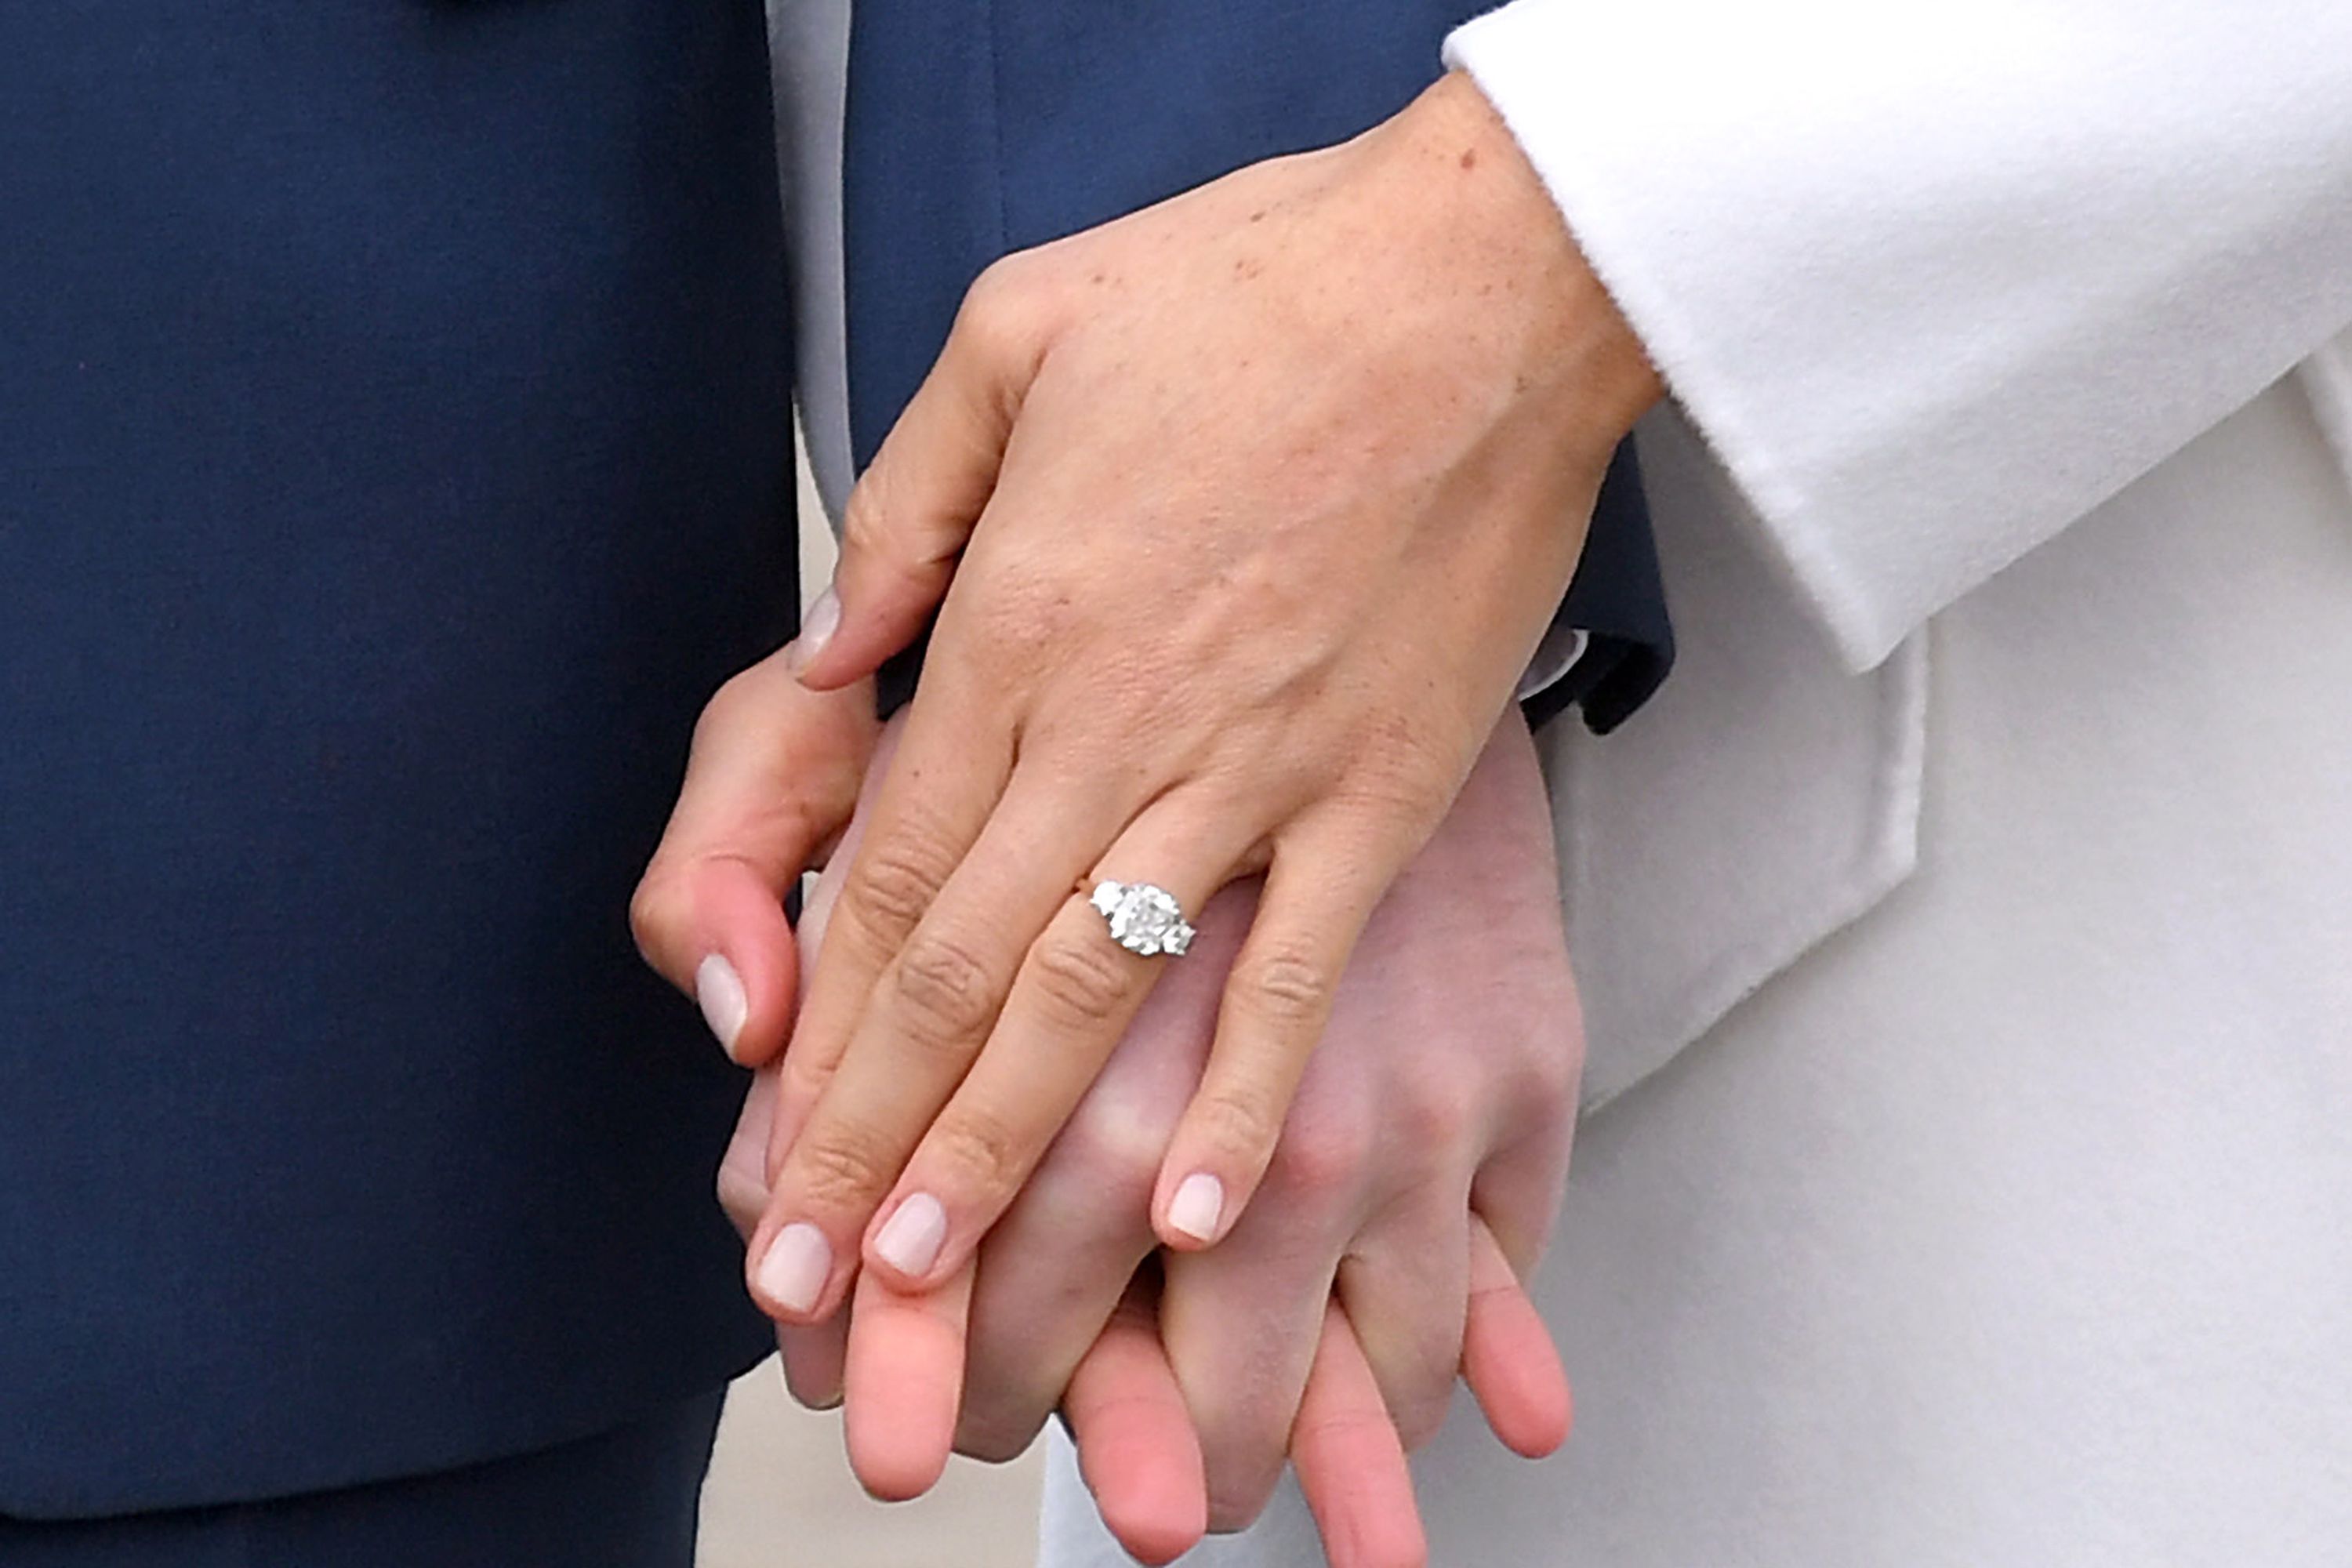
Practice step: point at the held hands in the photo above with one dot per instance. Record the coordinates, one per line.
(1436, 1121)
(1255, 503)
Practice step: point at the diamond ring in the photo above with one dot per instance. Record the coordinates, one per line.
(1144, 919)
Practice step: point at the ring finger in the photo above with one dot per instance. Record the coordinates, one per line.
(1079, 986)
(1053, 1267)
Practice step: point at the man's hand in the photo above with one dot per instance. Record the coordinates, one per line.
(1256, 504)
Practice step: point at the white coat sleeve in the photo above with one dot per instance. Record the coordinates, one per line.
(1936, 279)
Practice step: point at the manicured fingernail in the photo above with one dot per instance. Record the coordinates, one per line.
(719, 990)
(910, 1239)
(1198, 1206)
(793, 1273)
(824, 619)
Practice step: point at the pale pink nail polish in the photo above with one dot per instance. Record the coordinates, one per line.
(909, 1241)
(793, 1273)
(725, 1006)
(824, 619)
(1198, 1207)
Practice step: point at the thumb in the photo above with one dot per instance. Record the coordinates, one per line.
(909, 517)
(770, 781)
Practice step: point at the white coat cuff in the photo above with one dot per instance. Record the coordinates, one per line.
(1935, 282)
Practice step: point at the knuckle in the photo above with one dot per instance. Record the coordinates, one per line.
(943, 989)
(1545, 1068)
(891, 888)
(979, 1154)
(1286, 987)
(842, 1170)
(1116, 1155)
(1435, 1111)
(998, 316)
(656, 910)
(1400, 784)
(1078, 983)
(1240, 1125)
(1318, 1160)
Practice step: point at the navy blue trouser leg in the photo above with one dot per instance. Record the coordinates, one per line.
(623, 1499)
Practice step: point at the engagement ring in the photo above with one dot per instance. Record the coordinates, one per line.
(1144, 919)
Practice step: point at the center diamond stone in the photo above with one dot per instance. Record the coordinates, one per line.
(1144, 919)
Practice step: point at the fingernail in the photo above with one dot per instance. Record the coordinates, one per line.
(910, 1239)
(824, 619)
(793, 1273)
(1198, 1206)
(719, 990)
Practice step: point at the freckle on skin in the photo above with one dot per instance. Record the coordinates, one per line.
(1470, 157)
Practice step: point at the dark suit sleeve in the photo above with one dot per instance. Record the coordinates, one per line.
(1619, 599)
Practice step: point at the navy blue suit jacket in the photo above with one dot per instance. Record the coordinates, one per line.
(393, 455)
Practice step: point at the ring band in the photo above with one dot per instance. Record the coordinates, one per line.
(1144, 919)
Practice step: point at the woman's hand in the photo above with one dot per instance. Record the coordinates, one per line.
(1255, 503)
(774, 773)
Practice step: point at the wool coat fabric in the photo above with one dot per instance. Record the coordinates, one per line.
(1966, 930)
